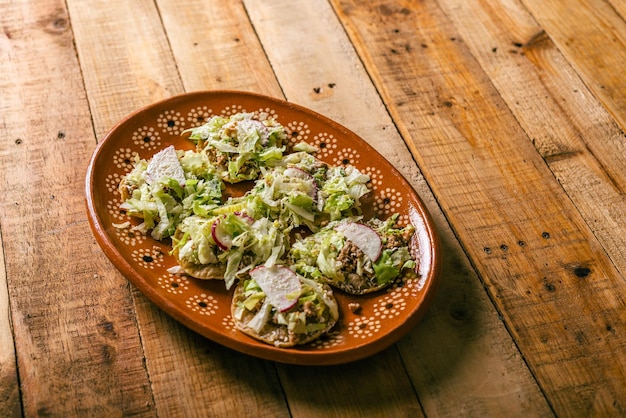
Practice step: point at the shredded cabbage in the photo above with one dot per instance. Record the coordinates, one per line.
(289, 191)
(318, 255)
(163, 204)
(240, 145)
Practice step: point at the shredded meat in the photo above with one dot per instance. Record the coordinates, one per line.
(126, 190)
(393, 241)
(356, 281)
(348, 259)
(309, 309)
(396, 241)
(221, 160)
(348, 256)
(247, 260)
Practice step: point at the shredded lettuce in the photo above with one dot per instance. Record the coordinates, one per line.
(318, 255)
(244, 244)
(288, 191)
(341, 192)
(240, 145)
(164, 203)
(320, 303)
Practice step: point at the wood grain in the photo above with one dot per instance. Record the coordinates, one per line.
(597, 55)
(126, 62)
(506, 116)
(558, 292)
(354, 389)
(194, 377)
(10, 405)
(178, 361)
(216, 48)
(619, 6)
(76, 339)
(462, 320)
(586, 150)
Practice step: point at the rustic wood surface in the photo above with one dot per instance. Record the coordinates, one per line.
(506, 116)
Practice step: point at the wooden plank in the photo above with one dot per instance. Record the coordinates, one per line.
(77, 346)
(309, 383)
(216, 48)
(327, 76)
(10, 405)
(462, 347)
(303, 72)
(592, 37)
(555, 287)
(126, 62)
(181, 364)
(194, 377)
(374, 387)
(619, 6)
(584, 149)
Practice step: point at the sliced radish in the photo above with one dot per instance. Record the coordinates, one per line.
(363, 237)
(165, 164)
(280, 285)
(298, 173)
(243, 215)
(220, 236)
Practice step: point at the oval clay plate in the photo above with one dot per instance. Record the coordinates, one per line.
(204, 306)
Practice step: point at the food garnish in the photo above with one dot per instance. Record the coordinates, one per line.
(283, 285)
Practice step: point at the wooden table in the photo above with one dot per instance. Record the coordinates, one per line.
(506, 116)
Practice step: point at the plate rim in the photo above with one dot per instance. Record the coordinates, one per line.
(292, 355)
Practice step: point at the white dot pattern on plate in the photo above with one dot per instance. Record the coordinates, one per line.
(130, 237)
(199, 115)
(174, 283)
(228, 323)
(203, 304)
(297, 132)
(113, 206)
(148, 258)
(231, 110)
(124, 158)
(390, 306)
(146, 138)
(388, 201)
(347, 156)
(331, 339)
(112, 182)
(408, 285)
(364, 327)
(376, 177)
(325, 143)
(265, 113)
(171, 122)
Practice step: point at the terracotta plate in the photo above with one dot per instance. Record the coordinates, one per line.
(204, 306)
